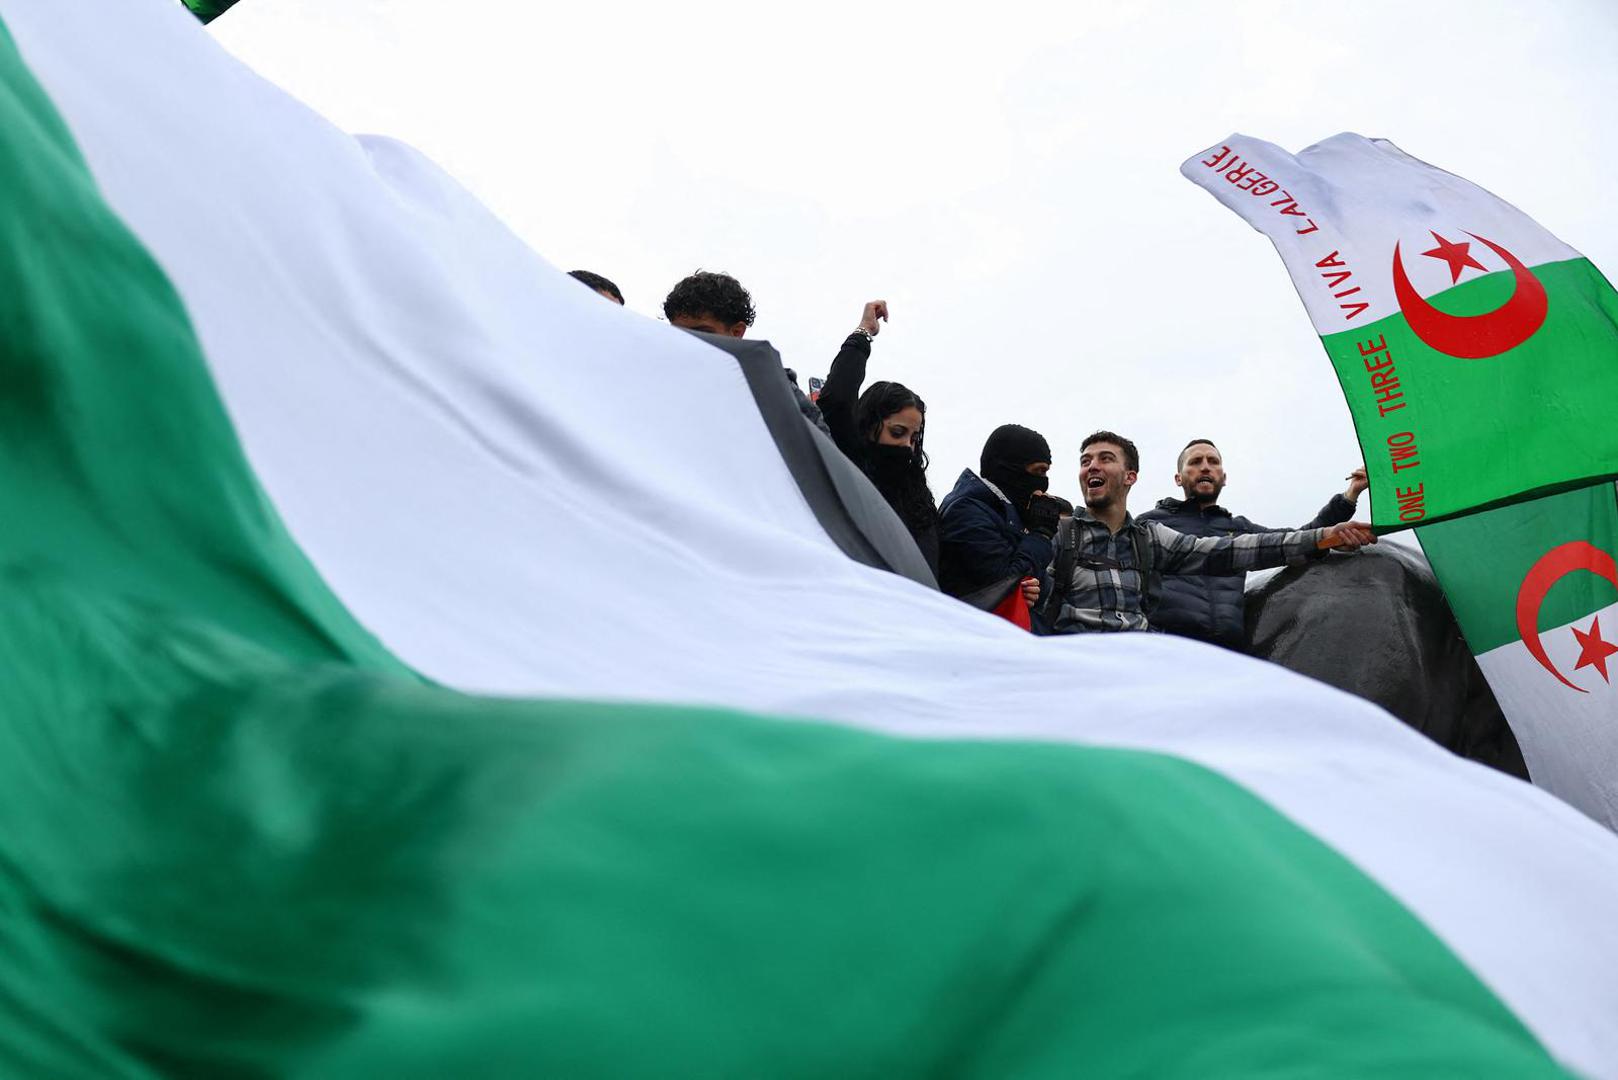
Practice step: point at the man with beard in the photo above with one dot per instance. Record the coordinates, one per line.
(996, 525)
(1107, 568)
(1213, 609)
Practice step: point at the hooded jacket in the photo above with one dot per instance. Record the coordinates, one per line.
(1213, 609)
(982, 540)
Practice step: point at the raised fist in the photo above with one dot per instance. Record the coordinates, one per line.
(876, 309)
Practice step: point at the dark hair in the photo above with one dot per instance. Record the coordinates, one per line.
(598, 283)
(707, 293)
(1179, 462)
(913, 499)
(881, 400)
(1131, 455)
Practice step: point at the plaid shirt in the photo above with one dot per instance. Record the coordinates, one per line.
(1104, 591)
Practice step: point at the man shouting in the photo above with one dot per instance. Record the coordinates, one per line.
(1203, 606)
(1107, 570)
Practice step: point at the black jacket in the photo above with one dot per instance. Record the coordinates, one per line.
(838, 402)
(982, 540)
(1212, 608)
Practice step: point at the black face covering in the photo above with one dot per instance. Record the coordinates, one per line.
(897, 473)
(1006, 457)
(1018, 484)
(889, 465)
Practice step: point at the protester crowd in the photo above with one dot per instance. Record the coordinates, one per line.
(1000, 541)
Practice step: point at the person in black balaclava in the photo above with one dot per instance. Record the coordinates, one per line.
(1016, 462)
(996, 525)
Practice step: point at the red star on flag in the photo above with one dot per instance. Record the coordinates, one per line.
(1594, 650)
(1458, 256)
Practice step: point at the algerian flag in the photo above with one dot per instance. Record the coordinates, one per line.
(302, 452)
(1455, 323)
(1535, 589)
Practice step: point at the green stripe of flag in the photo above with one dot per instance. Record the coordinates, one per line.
(118, 465)
(1418, 411)
(277, 865)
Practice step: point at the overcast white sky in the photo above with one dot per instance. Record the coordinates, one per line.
(1006, 177)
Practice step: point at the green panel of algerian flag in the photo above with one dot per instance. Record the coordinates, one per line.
(1544, 409)
(1484, 560)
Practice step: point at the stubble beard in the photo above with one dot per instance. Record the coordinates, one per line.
(1205, 500)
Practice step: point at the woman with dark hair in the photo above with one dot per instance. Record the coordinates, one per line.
(881, 431)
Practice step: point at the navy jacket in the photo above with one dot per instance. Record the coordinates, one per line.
(1212, 609)
(981, 540)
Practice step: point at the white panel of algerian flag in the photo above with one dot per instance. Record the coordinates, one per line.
(1335, 209)
(1567, 735)
(479, 456)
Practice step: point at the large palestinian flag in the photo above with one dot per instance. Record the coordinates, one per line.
(1535, 588)
(1458, 327)
(394, 685)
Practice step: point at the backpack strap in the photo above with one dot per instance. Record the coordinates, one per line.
(1062, 575)
(1151, 582)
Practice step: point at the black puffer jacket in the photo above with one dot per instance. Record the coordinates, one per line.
(1212, 608)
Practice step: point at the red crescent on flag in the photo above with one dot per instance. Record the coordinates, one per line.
(1553, 566)
(1473, 337)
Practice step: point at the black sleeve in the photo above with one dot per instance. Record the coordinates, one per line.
(1339, 509)
(842, 393)
(983, 550)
